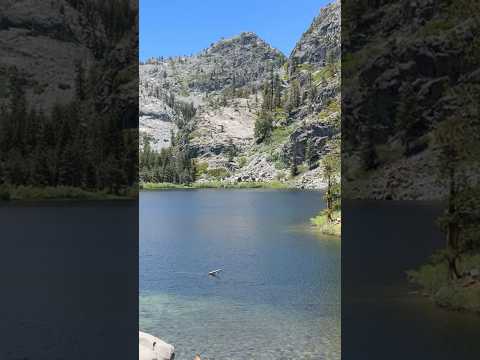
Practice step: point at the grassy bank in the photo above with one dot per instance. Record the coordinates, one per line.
(326, 227)
(215, 185)
(58, 193)
(461, 294)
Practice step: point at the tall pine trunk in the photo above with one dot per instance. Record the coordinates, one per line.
(452, 231)
(329, 199)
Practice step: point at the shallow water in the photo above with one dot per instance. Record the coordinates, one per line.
(279, 294)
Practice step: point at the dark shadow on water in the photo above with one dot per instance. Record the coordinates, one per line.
(380, 319)
(69, 275)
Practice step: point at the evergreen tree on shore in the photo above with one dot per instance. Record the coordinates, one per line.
(72, 145)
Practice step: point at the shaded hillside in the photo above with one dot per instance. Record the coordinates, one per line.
(408, 67)
(69, 94)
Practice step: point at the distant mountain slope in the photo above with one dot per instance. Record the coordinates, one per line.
(235, 86)
(241, 63)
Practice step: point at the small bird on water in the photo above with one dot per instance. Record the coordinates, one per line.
(197, 357)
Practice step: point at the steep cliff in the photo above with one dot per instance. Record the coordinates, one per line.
(49, 41)
(407, 67)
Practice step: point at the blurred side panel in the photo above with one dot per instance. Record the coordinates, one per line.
(410, 156)
(68, 179)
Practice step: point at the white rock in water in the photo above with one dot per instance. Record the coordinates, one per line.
(152, 348)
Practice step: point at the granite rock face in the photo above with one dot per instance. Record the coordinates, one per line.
(414, 53)
(47, 41)
(321, 42)
(43, 40)
(242, 62)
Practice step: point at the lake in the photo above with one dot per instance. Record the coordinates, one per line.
(279, 294)
(381, 318)
(69, 275)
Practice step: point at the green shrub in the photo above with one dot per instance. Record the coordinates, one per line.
(216, 184)
(333, 106)
(324, 73)
(436, 27)
(56, 193)
(434, 276)
(302, 168)
(430, 277)
(305, 67)
(163, 186)
(324, 226)
(280, 135)
(279, 165)
(201, 168)
(4, 193)
(242, 161)
(459, 298)
(218, 173)
(263, 128)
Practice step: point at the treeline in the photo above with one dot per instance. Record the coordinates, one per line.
(174, 164)
(117, 16)
(170, 165)
(71, 145)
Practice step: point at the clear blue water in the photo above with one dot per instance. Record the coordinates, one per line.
(279, 294)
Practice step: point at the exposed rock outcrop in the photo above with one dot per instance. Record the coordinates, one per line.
(405, 64)
(49, 41)
(321, 42)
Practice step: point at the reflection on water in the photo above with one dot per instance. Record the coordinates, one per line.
(65, 289)
(279, 294)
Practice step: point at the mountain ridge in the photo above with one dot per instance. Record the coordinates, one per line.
(236, 85)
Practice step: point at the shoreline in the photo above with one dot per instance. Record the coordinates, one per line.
(320, 223)
(432, 281)
(274, 185)
(12, 194)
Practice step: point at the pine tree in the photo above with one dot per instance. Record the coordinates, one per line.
(277, 99)
(406, 117)
(80, 81)
(310, 153)
(263, 127)
(294, 166)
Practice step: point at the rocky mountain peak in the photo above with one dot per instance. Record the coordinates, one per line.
(246, 44)
(238, 64)
(242, 39)
(321, 42)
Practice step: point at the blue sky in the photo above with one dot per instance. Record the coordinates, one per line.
(176, 27)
